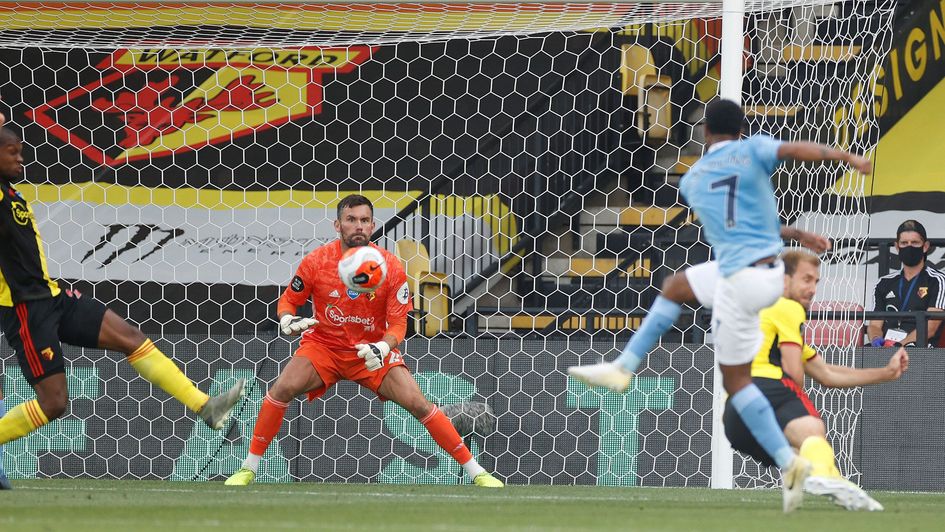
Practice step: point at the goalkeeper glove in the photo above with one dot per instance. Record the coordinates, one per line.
(373, 354)
(294, 325)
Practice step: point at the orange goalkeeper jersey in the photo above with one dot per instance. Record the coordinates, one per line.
(346, 318)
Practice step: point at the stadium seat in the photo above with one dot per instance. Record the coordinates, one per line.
(653, 216)
(684, 164)
(835, 332)
(636, 64)
(431, 290)
(640, 79)
(820, 53)
(655, 109)
(590, 322)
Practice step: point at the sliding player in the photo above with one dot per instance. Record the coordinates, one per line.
(36, 317)
(778, 370)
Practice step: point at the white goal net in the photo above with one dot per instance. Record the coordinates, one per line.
(523, 160)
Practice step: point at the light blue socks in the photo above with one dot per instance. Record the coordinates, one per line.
(662, 316)
(756, 412)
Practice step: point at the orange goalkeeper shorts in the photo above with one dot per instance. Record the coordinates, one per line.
(344, 364)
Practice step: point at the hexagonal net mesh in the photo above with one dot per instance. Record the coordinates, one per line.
(523, 161)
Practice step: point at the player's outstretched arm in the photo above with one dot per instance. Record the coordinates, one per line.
(289, 323)
(834, 376)
(812, 151)
(812, 241)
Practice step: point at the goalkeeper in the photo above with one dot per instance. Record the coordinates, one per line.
(36, 315)
(778, 370)
(352, 337)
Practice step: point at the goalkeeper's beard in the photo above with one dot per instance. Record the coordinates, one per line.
(356, 241)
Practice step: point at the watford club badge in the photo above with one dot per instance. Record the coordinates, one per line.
(154, 103)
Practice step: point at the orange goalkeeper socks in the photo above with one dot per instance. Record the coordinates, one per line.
(21, 420)
(445, 435)
(151, 364)
(267, 425)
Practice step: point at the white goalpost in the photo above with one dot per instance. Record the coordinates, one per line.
(730, 88)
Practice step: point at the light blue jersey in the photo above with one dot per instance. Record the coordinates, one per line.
(730, 191)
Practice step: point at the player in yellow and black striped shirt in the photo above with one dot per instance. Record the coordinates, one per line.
(35, 316)
(778, 370)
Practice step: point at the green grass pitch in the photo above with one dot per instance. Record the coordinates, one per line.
(79, 505)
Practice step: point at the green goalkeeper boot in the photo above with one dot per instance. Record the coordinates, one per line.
(484, 480)
(243, 477)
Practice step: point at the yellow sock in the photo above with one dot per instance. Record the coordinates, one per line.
(820, 454)
(151, 364)
(21, 420)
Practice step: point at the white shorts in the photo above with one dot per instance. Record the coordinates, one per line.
(735, 302)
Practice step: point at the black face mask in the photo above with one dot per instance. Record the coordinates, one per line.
(911, 255)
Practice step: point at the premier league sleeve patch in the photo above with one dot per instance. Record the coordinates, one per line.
(297, 284)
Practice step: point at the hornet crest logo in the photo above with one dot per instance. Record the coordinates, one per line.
(157, 102)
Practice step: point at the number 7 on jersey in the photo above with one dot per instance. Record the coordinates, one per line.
(730, 182)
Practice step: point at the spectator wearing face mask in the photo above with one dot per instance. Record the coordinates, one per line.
(915, 287)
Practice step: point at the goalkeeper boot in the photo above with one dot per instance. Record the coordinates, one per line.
(608, 375)
(485, 480)
(792, 480)
(243, 477)
(843, 493)
(216, 411)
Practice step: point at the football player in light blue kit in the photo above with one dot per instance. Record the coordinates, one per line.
(730, 191)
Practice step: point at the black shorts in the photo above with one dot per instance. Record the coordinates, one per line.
(789, 403)
(34, 329)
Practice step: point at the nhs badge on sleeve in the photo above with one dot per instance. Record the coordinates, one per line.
(352, 294)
